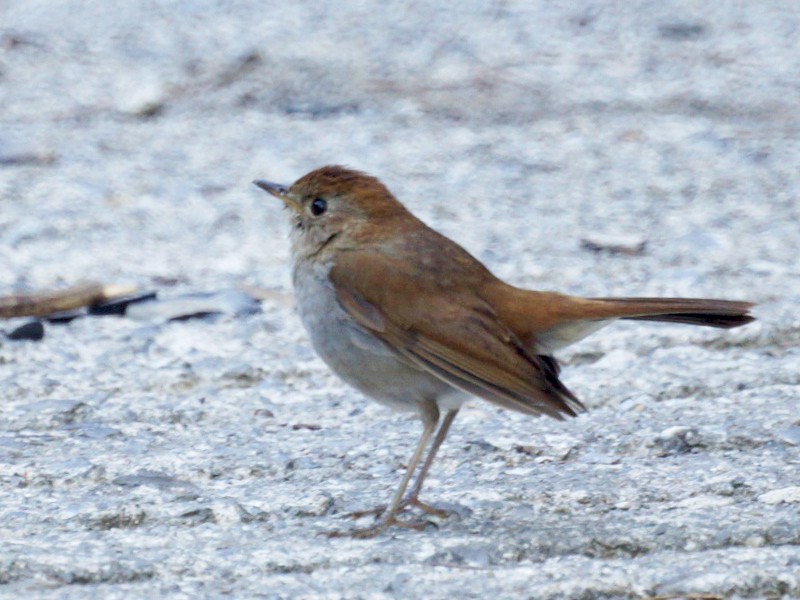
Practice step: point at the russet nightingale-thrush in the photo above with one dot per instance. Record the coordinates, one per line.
(411, 319)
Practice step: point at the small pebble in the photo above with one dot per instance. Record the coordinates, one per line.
(680, 31)
(615, 244)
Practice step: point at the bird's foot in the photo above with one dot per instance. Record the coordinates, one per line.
(408, 502)
(390, 520)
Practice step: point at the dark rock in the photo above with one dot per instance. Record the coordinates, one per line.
(309, 426)
(32, 330)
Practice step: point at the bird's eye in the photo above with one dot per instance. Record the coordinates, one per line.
(319, 206)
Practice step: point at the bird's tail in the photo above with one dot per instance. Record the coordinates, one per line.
(692, 311)
(551, 321)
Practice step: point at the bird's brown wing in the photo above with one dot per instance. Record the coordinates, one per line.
(448, 331)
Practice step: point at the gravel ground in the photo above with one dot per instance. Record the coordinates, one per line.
(204, 458)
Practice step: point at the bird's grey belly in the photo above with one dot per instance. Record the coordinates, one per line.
(357, 356)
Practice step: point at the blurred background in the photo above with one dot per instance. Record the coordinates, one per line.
(130, 132)
(598, 148)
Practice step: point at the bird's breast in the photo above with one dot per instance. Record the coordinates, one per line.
(354, 353)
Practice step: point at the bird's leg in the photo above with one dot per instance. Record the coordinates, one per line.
(430, 418)
(412, 499)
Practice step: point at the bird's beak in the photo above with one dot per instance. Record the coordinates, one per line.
(280, 191)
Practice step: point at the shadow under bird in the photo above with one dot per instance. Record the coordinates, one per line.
(412, 320)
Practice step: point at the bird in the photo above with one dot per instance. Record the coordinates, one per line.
(412, 320)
